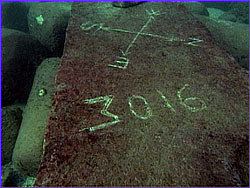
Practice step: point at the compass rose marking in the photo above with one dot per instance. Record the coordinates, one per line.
(122, 61)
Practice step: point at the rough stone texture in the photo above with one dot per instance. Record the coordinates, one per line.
(51, 31)
(234, 37)
(241, 10)
(126, 4)
(214, 12)
(169, 133)
(14, 14)
(6, 172)
(195, 7)
(242, 164)
(11, 118)
(223, 5)
(20, 55)
(238, 8)
(28, 148)
(228, 17)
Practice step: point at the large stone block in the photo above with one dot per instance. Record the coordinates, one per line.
(20, 55)
(11, 118)
(144, 97)
(48, 22)
(29, 145)
(234, 37)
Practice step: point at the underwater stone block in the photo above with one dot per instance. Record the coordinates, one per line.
(29, 145)
(126, 4)
(144, 96)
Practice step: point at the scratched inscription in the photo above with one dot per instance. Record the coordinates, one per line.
(122, 60)
(148, 112)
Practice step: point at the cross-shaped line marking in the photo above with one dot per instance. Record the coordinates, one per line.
(122, 61)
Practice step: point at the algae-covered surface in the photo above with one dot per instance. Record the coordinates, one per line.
(145, 97)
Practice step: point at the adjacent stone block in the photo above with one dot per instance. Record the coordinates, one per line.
(20, 54)
(125, 4)
(28, 149)
(11, 118)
